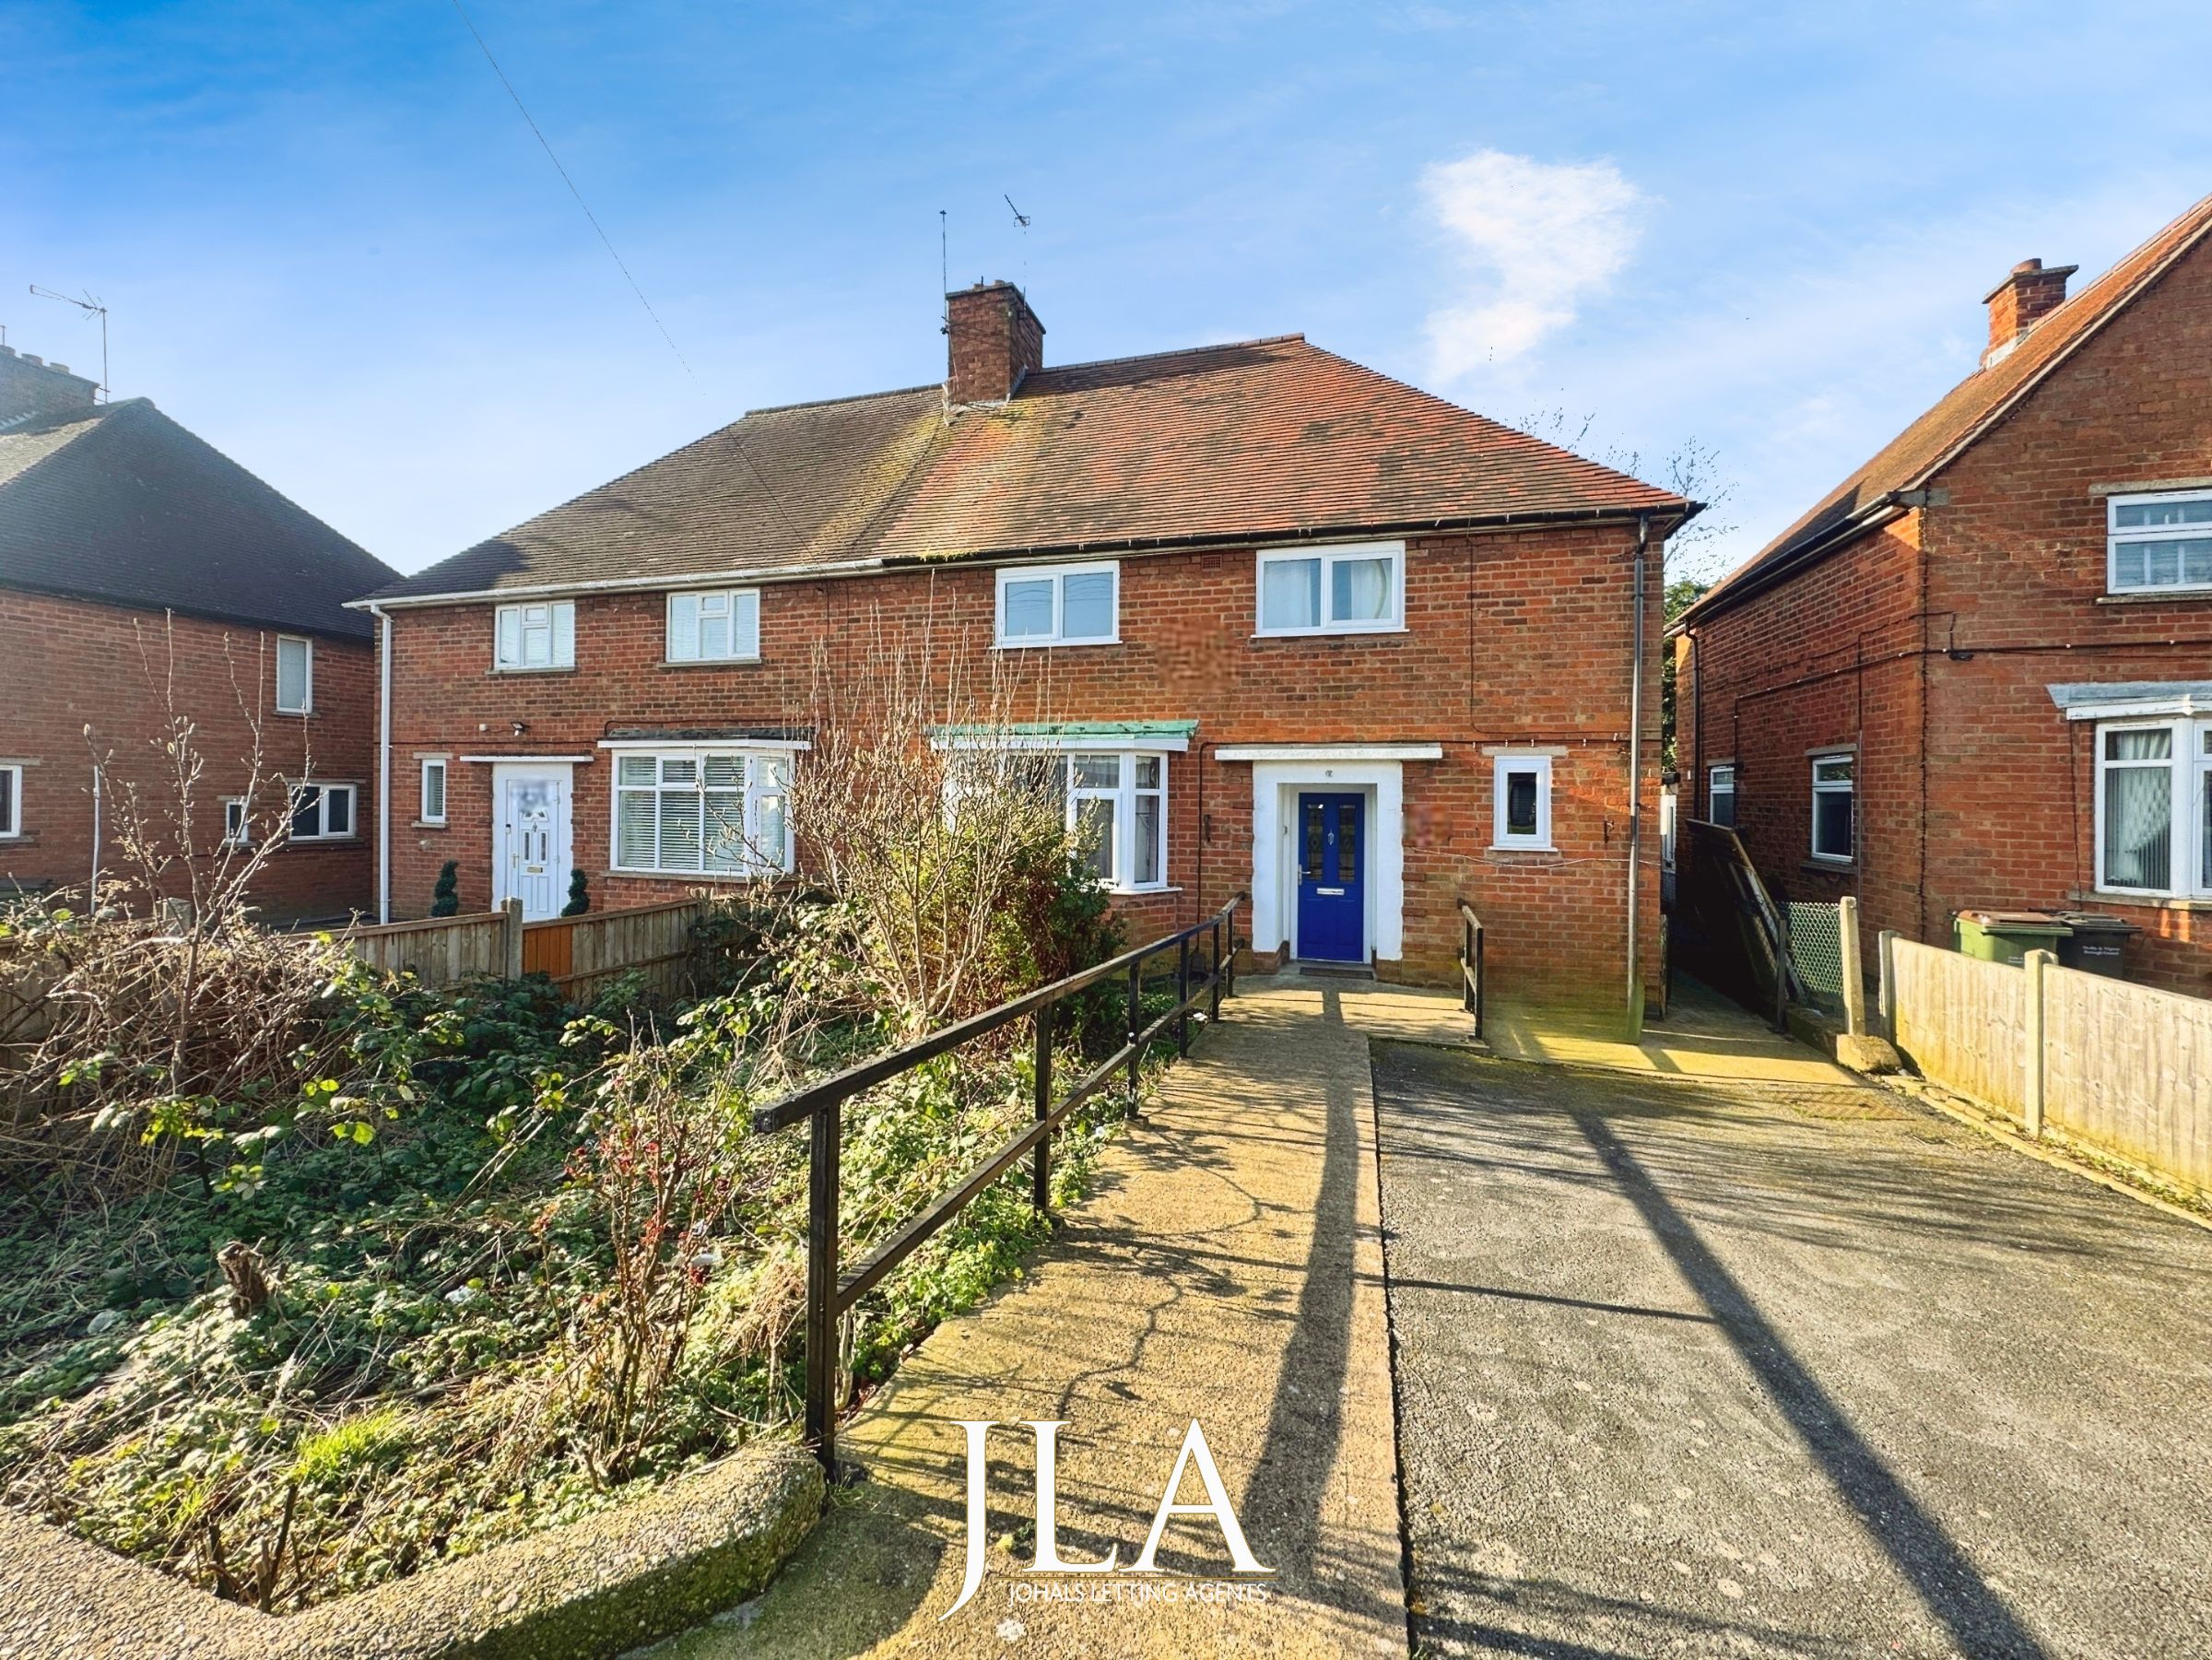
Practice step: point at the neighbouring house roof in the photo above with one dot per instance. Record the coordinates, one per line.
(1962, 415)
(120, 504)
(1264, 439)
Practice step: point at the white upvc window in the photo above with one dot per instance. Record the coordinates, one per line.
(1059, 605)
(295, 675)
(1720, 795)
(238, 822)
(1357, 589)
(11, 801)
(432, 800)
(322, 812)
(537, 635)
(702, 811)
(1117, 814)
(2154, 807)
(720, 624)
(2159, 542)
(1835, 807)
(1521, 801)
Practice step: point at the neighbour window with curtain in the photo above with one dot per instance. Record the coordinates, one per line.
(1720, 795)
(539, 635)
(1333, 591)
(295, 675)
(2154, 807)
(703, 812)
(2158, 541)
(1117, 812)
(1059, 605)
(719, 627)
(1835, 807)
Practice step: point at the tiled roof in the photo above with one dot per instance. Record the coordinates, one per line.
(1971, 407)
(122, 504)
(1268, 437)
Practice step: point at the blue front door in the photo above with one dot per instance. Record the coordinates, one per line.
(1332, 864)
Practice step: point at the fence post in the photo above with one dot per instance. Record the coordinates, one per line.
(1213, 1011)
(1781, 967)
(513, 936)
(1885, 947)
(1137, 1024)
(1183, 996)
(823, 1133)
(1853, 973)
(2031, 1045)
(1480, 991)
(1040, 1067)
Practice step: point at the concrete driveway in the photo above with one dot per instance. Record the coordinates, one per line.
(1720, 1367)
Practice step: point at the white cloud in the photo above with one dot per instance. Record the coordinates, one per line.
(1539, 238)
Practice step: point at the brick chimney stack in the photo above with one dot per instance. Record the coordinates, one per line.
(2023, 300)
(992, 340)
(30, 385)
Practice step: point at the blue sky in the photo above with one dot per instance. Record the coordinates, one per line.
(332, 247)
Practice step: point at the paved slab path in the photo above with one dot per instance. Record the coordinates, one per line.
(1228, 1269)
(1711, 1367)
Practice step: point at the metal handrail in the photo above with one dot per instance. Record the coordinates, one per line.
(830, 1294)
(1470, 963)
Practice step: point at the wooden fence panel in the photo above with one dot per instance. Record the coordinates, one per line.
(653, 939)
(441, 950)
(2129, 1069)
(1963, 1023)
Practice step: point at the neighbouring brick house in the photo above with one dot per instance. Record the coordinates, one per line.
(1978, 674)
(1298, 630)
(142, 570)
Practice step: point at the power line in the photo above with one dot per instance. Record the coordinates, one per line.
(743, 452)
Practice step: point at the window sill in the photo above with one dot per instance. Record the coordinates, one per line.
(1137, 893)
(2162, 596)
(432, 824)
(1329, 633)
(2142, 901)
(1051, 645)
(292, 842)
(497, 673)
(296, 715)
(1829, 865)
(1524, 856)
(708, 663)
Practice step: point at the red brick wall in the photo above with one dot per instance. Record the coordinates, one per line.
(68, 664)
(2014, 602)
(1519, 639)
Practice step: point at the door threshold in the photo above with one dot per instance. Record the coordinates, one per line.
(1330, 971)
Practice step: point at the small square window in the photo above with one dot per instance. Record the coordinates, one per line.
(295, 675)
(1520, 802)
(321, 812)
(433, 792)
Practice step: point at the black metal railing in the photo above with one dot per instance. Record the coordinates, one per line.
(1470, 963)
(821, 1105)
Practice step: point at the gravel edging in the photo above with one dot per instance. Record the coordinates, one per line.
(598, 1586)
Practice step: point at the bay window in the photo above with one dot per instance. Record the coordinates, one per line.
(1117, 813)
(2154, 807)
(1351, 590)
(694, 812)
(2159, 542)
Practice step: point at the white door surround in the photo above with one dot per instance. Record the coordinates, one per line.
(1275, 782)
(531, 832)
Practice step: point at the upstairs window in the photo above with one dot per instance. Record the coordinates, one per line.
(1333, 590)
(703, 812)
(1059, 605)
(11, 800)
(2159, 542)
(1520, 802)
(540, 635)
(321, 812)
(1835, 815)
(717, 627)
(295, 675)
(1720, 795)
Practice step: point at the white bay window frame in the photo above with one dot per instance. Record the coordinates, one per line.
(1328, 618)
(715, 625)
(1131, 785)
(2127, 748)
(1055, 578)
(716, 811)
(535, 636)
(2155, 531)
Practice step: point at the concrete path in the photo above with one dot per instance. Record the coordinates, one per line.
(1702, 1034)
(1707, 1367)
(1228, 1269)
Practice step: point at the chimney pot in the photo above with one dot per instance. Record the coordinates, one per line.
(993, 340)
(30, 385)
(2029, 293)
(34, 358)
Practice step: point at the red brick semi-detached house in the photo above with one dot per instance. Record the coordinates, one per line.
(1978, 674)
(143, 572)
(1298, 629)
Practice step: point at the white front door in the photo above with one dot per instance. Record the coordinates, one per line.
(530, 838)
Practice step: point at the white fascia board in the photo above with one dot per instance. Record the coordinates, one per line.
(1330, 752)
